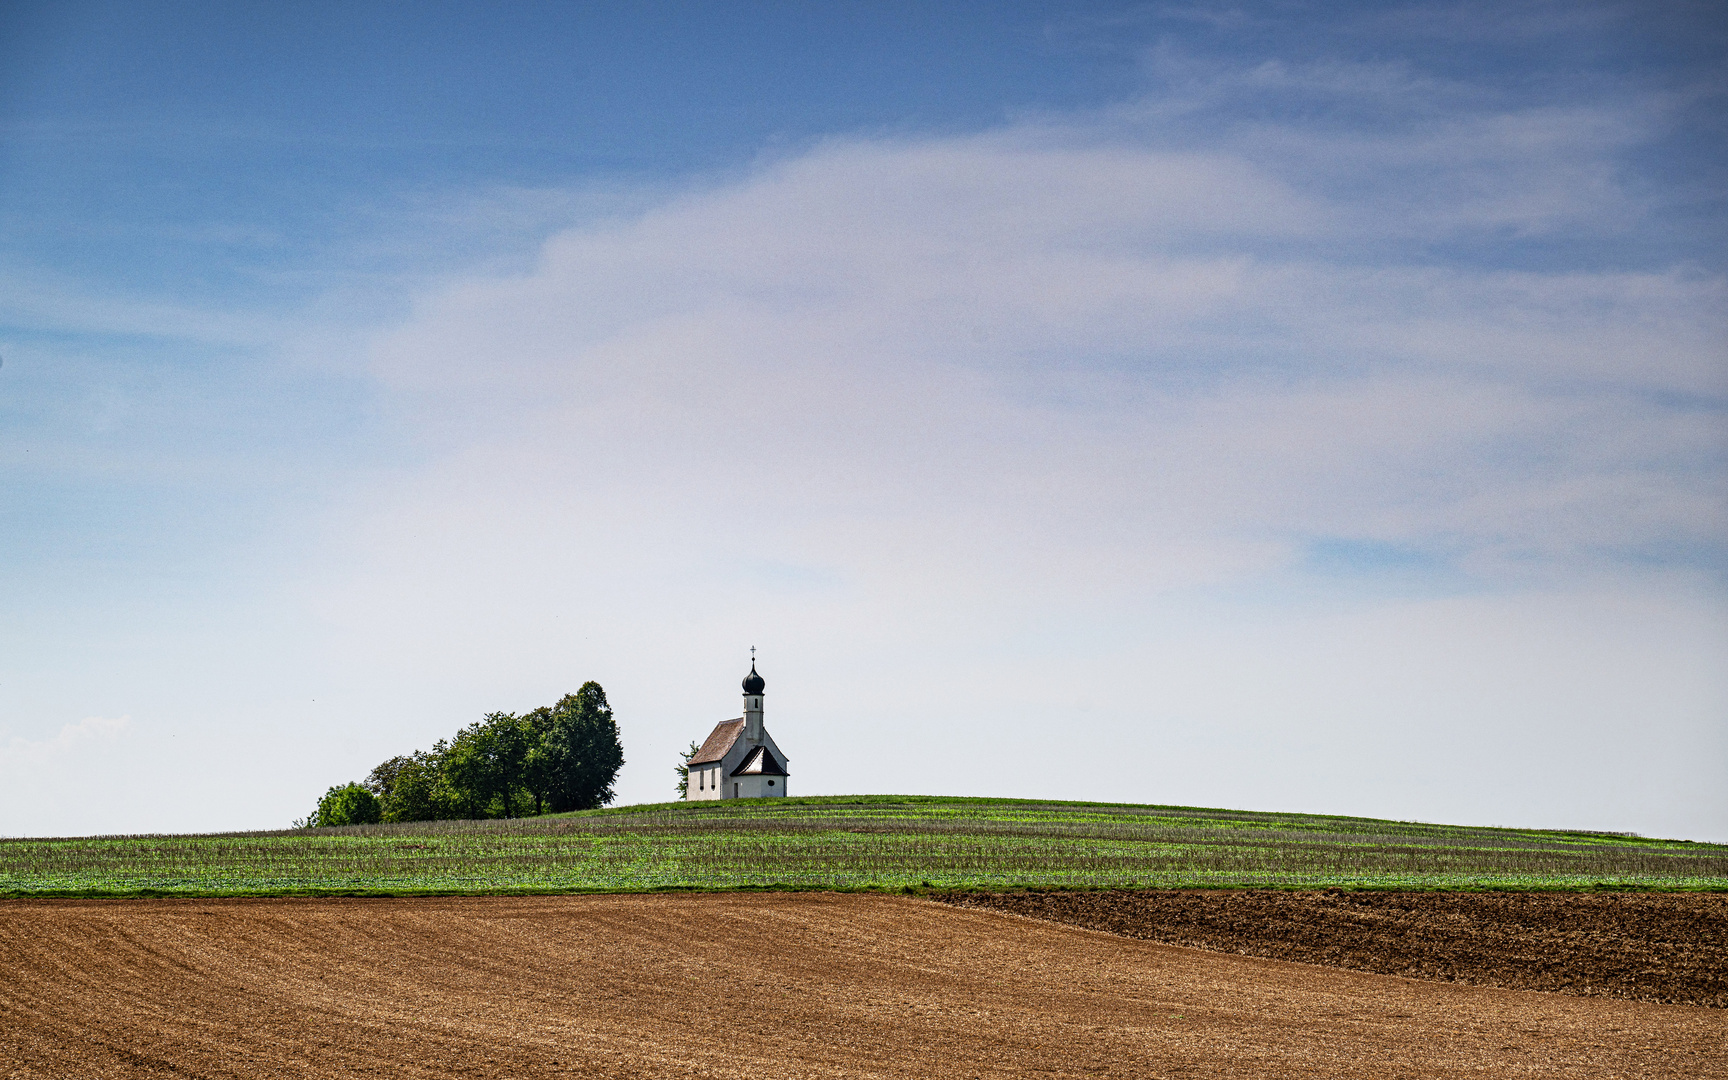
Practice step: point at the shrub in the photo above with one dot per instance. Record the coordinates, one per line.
(349, 804)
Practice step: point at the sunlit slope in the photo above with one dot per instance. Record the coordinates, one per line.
(860, 841)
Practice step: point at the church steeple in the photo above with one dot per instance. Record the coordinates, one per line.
(754, 684)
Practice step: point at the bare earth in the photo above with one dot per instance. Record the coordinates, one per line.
(1665, 947)
(731, 984)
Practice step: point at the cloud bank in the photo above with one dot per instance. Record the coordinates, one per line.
(1076, 335)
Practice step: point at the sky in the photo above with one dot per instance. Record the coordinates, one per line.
(1283, 406)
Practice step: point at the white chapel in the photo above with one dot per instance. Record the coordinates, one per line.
(739, 759)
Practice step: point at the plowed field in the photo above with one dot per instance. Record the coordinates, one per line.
(730, 984)
(1667, 947)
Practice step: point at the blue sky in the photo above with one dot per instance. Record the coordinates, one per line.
(1281, 406)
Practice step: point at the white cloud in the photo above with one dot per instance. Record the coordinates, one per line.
(56, 784)
(1404, 154)
(72, 738)
(1090, 346)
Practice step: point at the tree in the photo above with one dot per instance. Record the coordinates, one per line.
(576, 754)
(511, 741)
(412, 788)
(382, 780)
(539, 764)
(484, 764)
(349, 804)
(683, 770)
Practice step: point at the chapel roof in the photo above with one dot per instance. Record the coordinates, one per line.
(719, 741)
(760, 762)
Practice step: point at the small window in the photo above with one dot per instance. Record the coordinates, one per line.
(770, 783)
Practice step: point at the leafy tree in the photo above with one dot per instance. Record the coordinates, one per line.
(577, 754)
(382, 780)
(349, 804)
(512, 739)
(540, 763)
(412, 788)
(483, 766)
(683, 770)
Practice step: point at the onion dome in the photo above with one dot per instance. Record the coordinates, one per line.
(753, 683)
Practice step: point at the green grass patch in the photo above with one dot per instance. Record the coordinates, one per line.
(857, 842)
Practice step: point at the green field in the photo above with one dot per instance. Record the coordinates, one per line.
(858, 842)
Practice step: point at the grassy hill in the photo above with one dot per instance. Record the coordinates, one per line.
(883, 841)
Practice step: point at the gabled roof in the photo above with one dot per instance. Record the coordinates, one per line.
(759, 762)
(725, 733)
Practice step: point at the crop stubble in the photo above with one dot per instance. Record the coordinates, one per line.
(857, 841)
(747, 984)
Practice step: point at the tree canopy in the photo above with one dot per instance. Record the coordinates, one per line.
(555, 758)
(347, 804)
(576, 753)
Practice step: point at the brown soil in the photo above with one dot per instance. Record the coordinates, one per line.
(731, 984)
(1666, 947)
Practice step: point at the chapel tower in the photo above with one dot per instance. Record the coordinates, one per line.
(754, 684)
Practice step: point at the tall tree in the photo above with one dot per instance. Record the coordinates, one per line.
(578, 754)
(382, 780)
(483, 766)
(413, 788)
(540, 762)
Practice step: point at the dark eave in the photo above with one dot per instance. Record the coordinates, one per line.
(759, 762)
